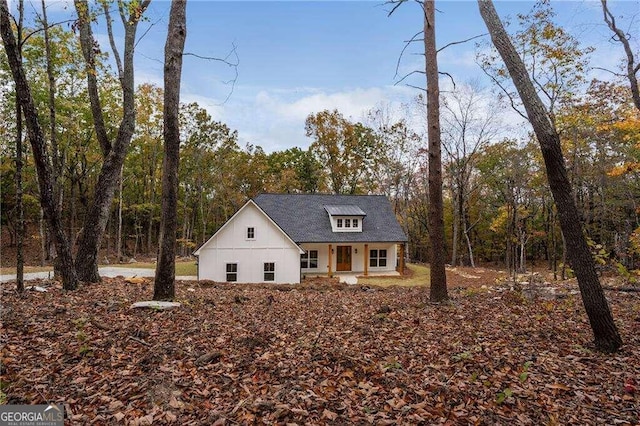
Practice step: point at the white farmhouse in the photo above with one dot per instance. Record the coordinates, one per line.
(281, 238)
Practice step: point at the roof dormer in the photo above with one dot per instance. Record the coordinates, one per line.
(345, 218)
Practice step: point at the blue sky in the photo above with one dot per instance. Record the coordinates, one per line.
(300, 57)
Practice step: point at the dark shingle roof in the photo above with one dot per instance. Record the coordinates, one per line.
(304, 217)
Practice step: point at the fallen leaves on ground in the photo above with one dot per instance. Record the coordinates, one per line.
(317, 354)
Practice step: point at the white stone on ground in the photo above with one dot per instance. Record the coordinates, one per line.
(155, 304)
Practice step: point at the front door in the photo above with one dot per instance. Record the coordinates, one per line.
(343, 258)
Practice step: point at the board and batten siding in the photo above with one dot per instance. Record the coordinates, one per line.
(231, 245)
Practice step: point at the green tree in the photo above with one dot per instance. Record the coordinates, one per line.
(294, 170)
(349, 152)
(41, 156)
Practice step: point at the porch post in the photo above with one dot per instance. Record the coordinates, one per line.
(401, 263)
(329, 273)
(366, 260)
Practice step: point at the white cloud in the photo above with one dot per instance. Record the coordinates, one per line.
(352, 103)
(274, 119)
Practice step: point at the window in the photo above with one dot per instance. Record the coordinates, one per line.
(377, 258)
(269, 271)
(251, 233)
(309, 260)
(232, 272)
(346, 224)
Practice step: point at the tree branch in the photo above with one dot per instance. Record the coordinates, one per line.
(406, 45)
(507, 93)
(407, 76)
(448, 75)
(112, 42)
(416, 87)
(609, 71)
(632, 67)
(397, 4)
(233, 64)
(453, 43)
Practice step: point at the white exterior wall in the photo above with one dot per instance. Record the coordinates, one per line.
(230, 245)
(357, 259)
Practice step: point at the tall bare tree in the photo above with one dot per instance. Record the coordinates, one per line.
(438, 285)
(40, 154)
(114, 153)
(633, 65)
(467, 130)
(164, 287)
(20, 231)
(604, 329)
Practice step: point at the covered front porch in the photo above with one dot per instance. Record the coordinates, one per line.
(351, 259)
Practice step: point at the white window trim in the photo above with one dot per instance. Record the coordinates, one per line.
(338, 224)
(246, 234)
(307, 257)
(378, 257)
(269, 272)
(226, 272)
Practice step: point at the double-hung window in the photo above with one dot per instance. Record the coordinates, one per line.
(339, 223)
(347, 223)
(377, 258)
(232, 272)
(251, 233)
(309, 260)
(269, 271)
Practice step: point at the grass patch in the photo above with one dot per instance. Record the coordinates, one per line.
(418, 276)
(27, 269)
(182, 268)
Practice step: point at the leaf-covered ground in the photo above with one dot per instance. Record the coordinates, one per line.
(322, 354)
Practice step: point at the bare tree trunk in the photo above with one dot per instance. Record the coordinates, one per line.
(467, 230)
(554, 247)
(36, 137)
(563, 274)
(41, 231)
(164, 287)
(438, 285)
(20, 231)
(19, 206)
(119, 232)
(456, 227)
(98, 214)
(55, 154)
(185, 223)
(604, 328)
